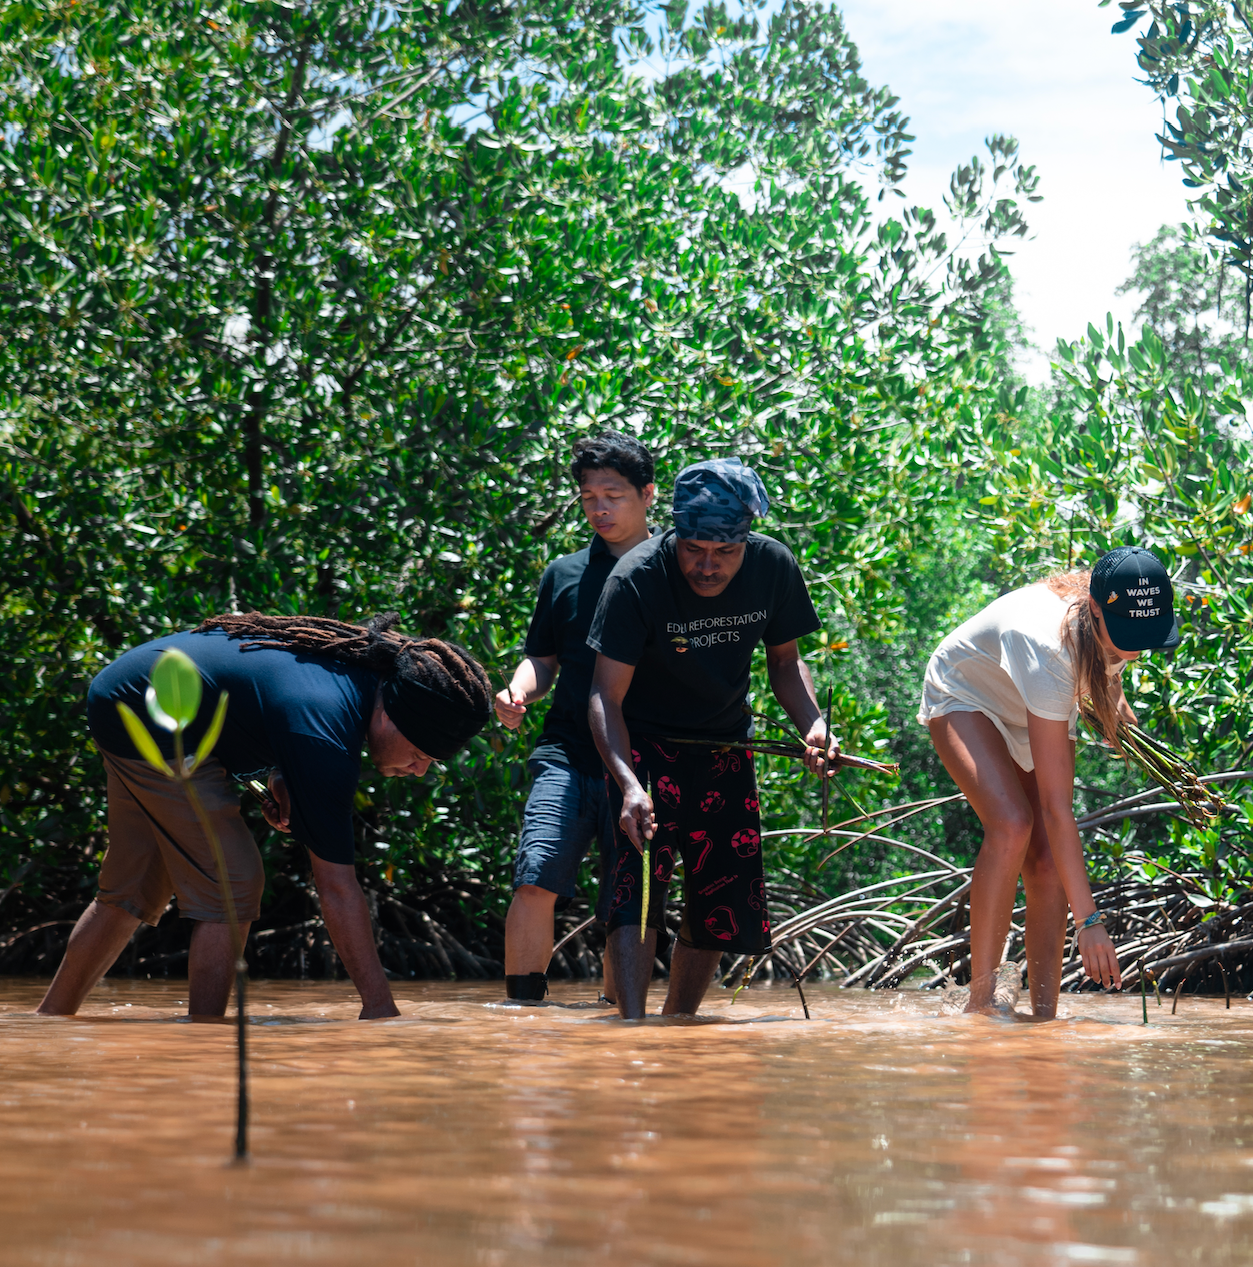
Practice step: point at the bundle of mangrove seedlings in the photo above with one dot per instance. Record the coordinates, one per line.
(1201, 802)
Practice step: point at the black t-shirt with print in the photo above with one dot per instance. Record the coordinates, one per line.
(692, 654)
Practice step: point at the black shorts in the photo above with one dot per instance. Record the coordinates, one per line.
(705, 802)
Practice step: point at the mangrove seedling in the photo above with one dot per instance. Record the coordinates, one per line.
(173, 701)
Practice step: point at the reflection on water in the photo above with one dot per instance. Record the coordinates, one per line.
(468, 1132)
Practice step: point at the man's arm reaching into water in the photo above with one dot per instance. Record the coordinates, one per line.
(345, 913)
(347, 919)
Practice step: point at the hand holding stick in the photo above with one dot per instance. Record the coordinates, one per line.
(794, 751)
(510, 708)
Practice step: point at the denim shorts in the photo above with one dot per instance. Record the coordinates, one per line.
(565, 814)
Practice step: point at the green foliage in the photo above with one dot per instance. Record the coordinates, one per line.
(301, 307)
(1198, 54)
(1186, 294)
(173, 701)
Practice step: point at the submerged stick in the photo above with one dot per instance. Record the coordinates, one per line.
(796, 984)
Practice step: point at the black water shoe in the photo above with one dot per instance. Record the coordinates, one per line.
(529, 988)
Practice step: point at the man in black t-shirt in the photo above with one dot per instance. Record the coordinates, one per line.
(568, 806)
(306, 694)
(677, 623)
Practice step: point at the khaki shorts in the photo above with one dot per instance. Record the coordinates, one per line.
(157, 848)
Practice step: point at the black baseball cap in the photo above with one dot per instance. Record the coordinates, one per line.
(1137, 600)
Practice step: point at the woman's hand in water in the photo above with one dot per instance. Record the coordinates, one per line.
(1099, 959)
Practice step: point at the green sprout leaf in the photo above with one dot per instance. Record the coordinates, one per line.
(174, 697)
(143, 741)
(163, 719)
(211, 735)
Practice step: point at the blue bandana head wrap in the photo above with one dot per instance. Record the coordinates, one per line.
(716, 500)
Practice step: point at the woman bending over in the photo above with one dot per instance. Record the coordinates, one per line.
(1001, 699)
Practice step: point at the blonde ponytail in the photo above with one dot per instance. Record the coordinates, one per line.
(1093, 682)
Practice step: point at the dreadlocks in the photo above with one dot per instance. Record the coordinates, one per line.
(435, 692)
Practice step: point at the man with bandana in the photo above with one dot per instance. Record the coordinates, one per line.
(675, 630)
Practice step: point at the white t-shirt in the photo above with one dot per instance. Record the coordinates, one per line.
(1003, 662)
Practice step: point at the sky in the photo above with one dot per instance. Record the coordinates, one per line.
(1053, 76)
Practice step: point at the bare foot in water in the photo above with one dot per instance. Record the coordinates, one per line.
(1004, 995)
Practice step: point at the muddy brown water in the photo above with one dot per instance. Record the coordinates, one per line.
(470, 1132)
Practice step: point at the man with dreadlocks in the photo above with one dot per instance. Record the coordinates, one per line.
(306, 694)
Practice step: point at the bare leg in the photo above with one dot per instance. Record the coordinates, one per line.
(691, 971)
(1047, 908)
(631, 963)
(211, 970)
(975, 755)
(98, 938)
(529, 930)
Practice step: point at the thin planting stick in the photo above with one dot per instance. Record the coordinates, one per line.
(748, 972)
(796, 983)
(826, 772)
(648, 866)
(794, 751)
(1179, 988)
(237, 949)
(778, 725)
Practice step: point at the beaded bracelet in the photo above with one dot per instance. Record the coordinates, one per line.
(1097, 917)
